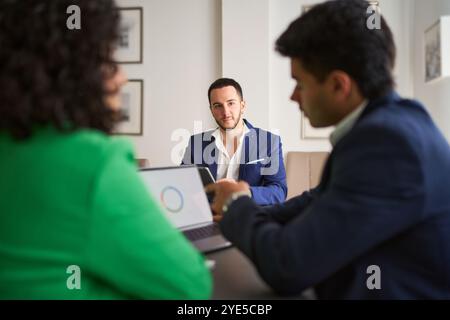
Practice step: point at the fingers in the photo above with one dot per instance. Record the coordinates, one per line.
(216, 209)
(212, 187)
(226, 180)
(244, 184)
(217, 212)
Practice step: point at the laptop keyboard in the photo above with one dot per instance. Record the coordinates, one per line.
(203, 232)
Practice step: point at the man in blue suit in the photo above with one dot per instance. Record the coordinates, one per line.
(378, 224)
(238, 151)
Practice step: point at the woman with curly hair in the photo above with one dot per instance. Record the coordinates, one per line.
(76, 221)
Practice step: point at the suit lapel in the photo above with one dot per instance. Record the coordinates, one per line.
(249, 151)
(326, 173)
(210, 153)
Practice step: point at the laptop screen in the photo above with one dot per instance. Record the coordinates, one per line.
(180, 192)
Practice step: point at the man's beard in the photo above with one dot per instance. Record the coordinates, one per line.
(235, 125)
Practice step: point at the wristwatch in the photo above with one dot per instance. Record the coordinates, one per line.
(234, 196)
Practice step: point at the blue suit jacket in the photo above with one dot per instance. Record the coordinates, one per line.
(266, 178)
(383, 200)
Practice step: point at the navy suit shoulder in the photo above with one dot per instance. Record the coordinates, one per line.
(194, 150)
(404, 117)
(383, 201)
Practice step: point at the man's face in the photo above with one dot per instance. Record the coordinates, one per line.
(313, 97)
(226, 107)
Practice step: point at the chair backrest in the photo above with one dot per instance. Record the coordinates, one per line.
(303, 171)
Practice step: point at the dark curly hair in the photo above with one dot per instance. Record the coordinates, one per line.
(334, 35)
(225, 82)
(51, 75)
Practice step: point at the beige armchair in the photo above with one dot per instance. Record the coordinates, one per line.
(303, 171)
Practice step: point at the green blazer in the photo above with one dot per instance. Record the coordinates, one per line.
(77, 222)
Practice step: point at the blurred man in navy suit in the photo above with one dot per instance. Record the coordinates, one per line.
(378, 224)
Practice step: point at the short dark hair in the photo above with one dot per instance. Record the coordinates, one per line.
(225, 82)
(51, 75)
(334, 36)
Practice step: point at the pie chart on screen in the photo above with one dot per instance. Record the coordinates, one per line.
(172, 199)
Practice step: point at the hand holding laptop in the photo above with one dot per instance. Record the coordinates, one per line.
(222, 192)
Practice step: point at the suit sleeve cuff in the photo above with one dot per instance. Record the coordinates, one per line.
(234, 196)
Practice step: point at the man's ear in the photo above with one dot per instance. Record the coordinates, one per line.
(340, 84)
(243, 106)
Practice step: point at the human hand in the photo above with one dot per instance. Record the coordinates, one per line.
(223, 189)
(226, 179)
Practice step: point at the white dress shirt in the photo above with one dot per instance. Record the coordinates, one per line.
(346, 124)
(228, 167)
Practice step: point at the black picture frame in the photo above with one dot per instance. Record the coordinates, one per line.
(132, 108)
(130, 45)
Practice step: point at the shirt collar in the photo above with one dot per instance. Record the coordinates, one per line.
(346, 124)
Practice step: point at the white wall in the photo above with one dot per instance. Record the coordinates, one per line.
(182, 50)
(190, 43)
(284, 114)
(399, 16)
(435, 95)
(245, 53)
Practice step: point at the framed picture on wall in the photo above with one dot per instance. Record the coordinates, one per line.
(129, 48)
(437, 50)
(131, 104)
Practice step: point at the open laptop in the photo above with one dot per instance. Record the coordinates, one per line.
(205, 175)
(181, 194)
(207, 178)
